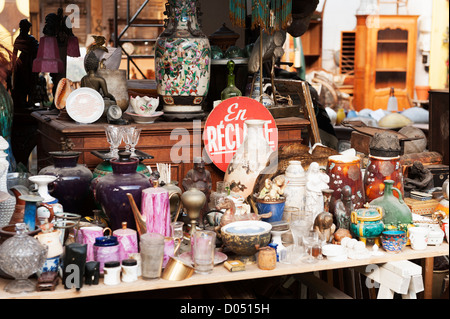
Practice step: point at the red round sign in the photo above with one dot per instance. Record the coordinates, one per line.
(224, 128)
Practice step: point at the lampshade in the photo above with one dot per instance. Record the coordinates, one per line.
(73, 48)
(48, 59)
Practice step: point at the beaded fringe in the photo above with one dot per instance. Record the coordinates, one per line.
(271, 15)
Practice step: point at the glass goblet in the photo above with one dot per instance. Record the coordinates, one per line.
(114, 137)
(127, 136)
(136, 132)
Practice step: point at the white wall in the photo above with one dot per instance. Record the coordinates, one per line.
(339, 15)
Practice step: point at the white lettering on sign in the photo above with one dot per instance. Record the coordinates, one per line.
(240, 116)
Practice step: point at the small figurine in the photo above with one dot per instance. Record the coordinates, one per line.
(324, 226)
(98, 44)
(344, 208)
(419, 178)
(273, 189)
(92, 80)
(339, 235)
(316, 182)
(198, 177)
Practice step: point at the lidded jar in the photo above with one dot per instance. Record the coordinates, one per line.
(106, 248)
(20, 257)
(111, 190)
(72, 186)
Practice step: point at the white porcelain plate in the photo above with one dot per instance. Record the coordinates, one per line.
(85, 105)
(144, 119)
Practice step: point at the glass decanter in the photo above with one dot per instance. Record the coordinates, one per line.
(20, 257)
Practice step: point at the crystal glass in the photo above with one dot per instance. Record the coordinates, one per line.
(131, 137)
(203, 250)
(127, 136)
(152, 255)
(114, 135)
(313, 247)
(300, 224)
(20, 257)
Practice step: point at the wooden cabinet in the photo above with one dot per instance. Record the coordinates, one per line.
(156, 139)
(385, 57)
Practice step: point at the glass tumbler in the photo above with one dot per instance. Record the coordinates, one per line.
(152, 255)
(203, 250)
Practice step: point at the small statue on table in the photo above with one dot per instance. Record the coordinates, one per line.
(92, 80)
(419, 178)
(316, 182)
(324, 226)
(273, 189)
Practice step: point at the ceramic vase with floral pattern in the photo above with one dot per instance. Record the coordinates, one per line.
(182, 60)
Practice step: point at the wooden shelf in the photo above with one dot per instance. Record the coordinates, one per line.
(393, 41)
(392, 70)
(220, 274)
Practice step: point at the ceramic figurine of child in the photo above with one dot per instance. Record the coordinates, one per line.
(273, 189)
(316, 181)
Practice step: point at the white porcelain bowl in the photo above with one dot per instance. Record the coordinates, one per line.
(144, 119)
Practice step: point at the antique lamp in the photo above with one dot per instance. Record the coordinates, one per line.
(48, 59)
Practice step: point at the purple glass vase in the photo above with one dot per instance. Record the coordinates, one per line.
(72, 186)
(110, 190)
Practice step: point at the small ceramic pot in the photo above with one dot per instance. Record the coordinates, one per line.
(367, 223)
(393, 240)
(274, 207)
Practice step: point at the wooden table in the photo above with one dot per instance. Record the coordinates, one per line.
(220, 275)
(157, 139)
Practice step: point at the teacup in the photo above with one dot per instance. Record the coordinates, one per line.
(144, 105)
(419, 237)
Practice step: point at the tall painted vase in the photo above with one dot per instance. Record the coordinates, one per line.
(378, 170)
(182, 61)
(346, 170)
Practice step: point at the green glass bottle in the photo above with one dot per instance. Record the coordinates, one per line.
(231, 90)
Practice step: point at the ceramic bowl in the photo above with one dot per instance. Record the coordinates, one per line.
(393, 240)
(144, 119)
(243, 237)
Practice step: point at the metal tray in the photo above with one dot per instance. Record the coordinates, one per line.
(139, 155)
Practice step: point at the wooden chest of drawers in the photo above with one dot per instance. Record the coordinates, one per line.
(157, 139)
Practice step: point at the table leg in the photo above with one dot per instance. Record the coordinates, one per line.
(428, 278)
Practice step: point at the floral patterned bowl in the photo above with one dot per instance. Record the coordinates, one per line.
(144, 105)
(393, 240)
